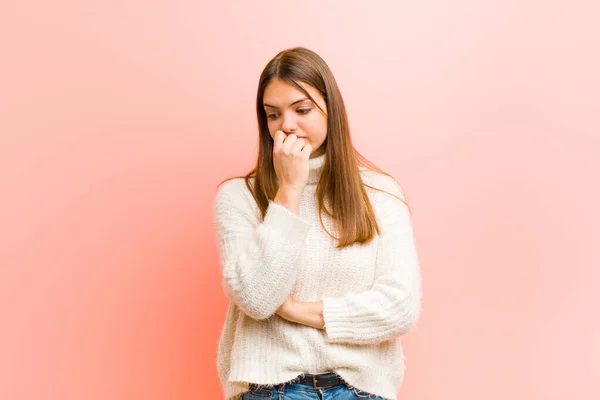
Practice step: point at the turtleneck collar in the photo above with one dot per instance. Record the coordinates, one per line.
(315, 167)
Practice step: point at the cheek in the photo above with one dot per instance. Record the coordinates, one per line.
(317, 125)
(321, 126)
(272, 127)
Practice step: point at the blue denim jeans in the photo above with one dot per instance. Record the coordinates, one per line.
(296, 391)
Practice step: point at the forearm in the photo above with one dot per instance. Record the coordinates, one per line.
(307, 313)
(372, 316)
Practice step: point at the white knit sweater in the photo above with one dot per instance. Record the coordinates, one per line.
(371, 294)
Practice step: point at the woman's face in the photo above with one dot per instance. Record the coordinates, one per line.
(291, 111)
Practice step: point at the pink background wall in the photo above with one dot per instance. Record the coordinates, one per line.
(118, 119)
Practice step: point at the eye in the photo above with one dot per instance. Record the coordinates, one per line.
(272, 116)
(304, 110)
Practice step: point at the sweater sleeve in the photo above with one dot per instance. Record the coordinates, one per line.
(258, 259)
(391, 306)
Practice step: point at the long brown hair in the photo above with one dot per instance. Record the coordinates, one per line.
(340, 182)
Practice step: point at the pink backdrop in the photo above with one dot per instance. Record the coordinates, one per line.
(118, 119)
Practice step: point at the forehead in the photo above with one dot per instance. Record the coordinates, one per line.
(279, 91)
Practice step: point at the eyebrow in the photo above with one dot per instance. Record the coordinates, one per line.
(295, 102)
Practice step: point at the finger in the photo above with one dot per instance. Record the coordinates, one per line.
(278, 139)
(306, 150)
(289, 142)
(297, 146)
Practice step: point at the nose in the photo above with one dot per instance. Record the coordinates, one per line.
(288, 123)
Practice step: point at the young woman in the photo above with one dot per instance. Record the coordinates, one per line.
(317, 252)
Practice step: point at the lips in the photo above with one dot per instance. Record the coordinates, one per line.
(299, 137)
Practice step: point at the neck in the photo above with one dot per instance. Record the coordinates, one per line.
(315, 167)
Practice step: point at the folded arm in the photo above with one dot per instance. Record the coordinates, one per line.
(258, 259)
(392, 305)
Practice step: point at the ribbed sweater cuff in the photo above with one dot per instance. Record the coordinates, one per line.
(338, 326)
(282, 221)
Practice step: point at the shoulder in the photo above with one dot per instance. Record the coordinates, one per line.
(231, 188)
(381, 182)
(388, 199)
(234, 194)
